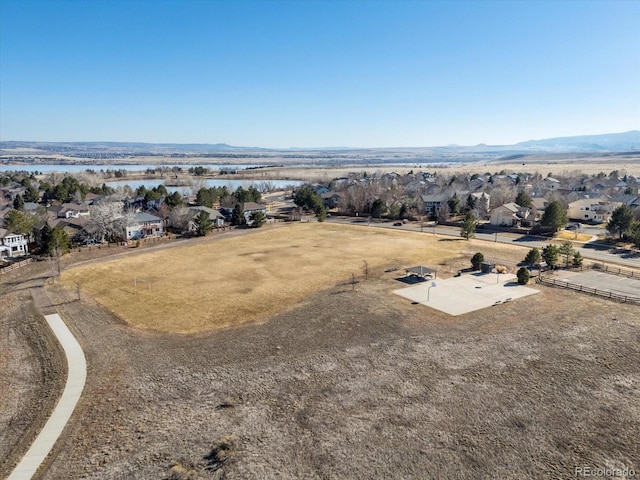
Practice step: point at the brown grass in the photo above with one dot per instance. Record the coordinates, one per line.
(230, 281)
(564, 235)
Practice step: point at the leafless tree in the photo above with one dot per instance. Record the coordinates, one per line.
(105, 221)
(179, 218)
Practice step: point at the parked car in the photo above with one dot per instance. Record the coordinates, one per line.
(397, 224)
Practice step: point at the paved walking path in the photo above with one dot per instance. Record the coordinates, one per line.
(77, 374)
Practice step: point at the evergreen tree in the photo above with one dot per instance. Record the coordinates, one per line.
(173, 200)
(554, 217)
(620, 222)
(477, 260)
(203, 224)
(468, 227)
(523, 276)
(46, 237)
(258, 219)
(59, 243)
(471, 203)
(550, 255)
(377, 208)
(237, 216)
(32, 194)
(566, 249)
(577, 259)
(533, 258)
(18, 202)
(454, 205)
(21, 222)
(523, 199)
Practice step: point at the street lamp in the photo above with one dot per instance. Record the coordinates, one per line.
(433, 284)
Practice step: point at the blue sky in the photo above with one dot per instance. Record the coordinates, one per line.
(317, 74)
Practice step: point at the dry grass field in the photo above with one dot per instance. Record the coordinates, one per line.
(234, 280)
(346, 384)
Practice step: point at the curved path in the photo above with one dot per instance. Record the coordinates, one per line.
(76, 377)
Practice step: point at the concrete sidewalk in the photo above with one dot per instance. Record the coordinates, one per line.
(76, 378)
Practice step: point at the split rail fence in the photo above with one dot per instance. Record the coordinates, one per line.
(592, 291)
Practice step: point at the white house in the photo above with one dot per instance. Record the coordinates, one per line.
(143, 225)
(591, 210)
(250, 207)
(12, 244)
(510, 215)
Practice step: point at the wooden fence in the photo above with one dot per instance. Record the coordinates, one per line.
(592, 291)
(616, 270)
(13, 266)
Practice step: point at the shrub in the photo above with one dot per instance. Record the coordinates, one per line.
(476, 260)
(523, 276)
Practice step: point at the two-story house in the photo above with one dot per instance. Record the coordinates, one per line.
(13, 244)
(143, 225)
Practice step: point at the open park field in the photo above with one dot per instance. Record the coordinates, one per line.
(234, 280)
(343, 383)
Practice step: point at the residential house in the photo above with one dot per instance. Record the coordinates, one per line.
(143, 225)
(73, 210)
(511, 215)
(217, 218)
(250, 207)
(591, 210)
(434, 203)
(13, 244)
(320, 189)
(330, 199)
(75, 228)
(551, 183)
(539, 203)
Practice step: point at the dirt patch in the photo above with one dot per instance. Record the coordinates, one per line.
(32, 376)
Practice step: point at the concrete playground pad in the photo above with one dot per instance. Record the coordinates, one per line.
(464, 294)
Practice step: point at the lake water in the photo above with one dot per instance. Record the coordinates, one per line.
(186, 190)
(129, 168)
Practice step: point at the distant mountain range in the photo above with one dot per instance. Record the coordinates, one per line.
(610, 142)
(586, 143)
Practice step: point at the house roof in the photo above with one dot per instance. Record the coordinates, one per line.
(442, 197)
(513, 207)
(330, 195)
(213, 213)
(145, 217)
(6, 233)
(253, 206)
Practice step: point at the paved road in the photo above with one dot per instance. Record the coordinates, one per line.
(592, 251)
(76, 378)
